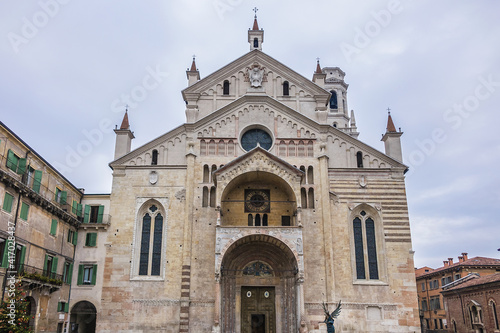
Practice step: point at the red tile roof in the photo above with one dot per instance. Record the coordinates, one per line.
(476, 261)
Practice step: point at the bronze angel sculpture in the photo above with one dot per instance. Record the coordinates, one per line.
(330, 317)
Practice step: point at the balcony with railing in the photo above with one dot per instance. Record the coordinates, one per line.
(34, 277)
(25, 181)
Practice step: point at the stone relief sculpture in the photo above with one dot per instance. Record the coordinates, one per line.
(255, 75)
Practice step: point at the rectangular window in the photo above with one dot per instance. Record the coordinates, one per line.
(67, 272)
(61, 196)
(423, 286)
(12, 161)
(25, 208)
(37, 181)
(50, 266)
(424, 305)
(435, 303)
(285, 221)
(95, 214)
(91, 239)
(72, 237)
(7, 202)
(62, 307)
(53, 227)
(87, 274)
(457, 276)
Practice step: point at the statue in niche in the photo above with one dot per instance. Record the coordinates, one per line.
(255, 75)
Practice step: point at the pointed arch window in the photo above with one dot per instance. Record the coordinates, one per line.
(365, 247)
(151, 241)
(333, 100)
(286, 88)
(225, 88)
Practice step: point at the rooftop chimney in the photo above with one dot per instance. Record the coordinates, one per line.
(464, 254)
(450, 261)
(460, 259)
(445, 263)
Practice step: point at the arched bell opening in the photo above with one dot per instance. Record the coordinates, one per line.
(259, 283)
(264, 196)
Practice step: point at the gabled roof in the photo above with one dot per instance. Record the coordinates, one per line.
(248, 59)
(245, 99)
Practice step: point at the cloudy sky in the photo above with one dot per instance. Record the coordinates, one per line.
(69, 67)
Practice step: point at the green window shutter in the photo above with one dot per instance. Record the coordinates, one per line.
(79, 208)
(70, 273)
(45, 263)
(66, 307)
(59, 306)
(75, 238)
(91, 239)
(5, 257)
(12, 161)
(64, 197)
(100, 214)
(86, 216)
(57, 192)
(21, 259)
(80, 275)
(7, 202)
(74, 207)
(37, 181)
(94, 275)
(54, 266)
(53, 227)
(21, 167)
(24, 211)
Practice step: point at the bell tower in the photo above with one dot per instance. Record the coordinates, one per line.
(255, 36)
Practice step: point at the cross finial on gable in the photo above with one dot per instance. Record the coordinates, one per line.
(389, 111)
(255, 10)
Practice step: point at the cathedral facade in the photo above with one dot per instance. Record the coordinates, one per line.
(260, 209)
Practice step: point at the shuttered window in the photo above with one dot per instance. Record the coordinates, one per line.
(7, 202)
(53, 227)
(25, 208)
